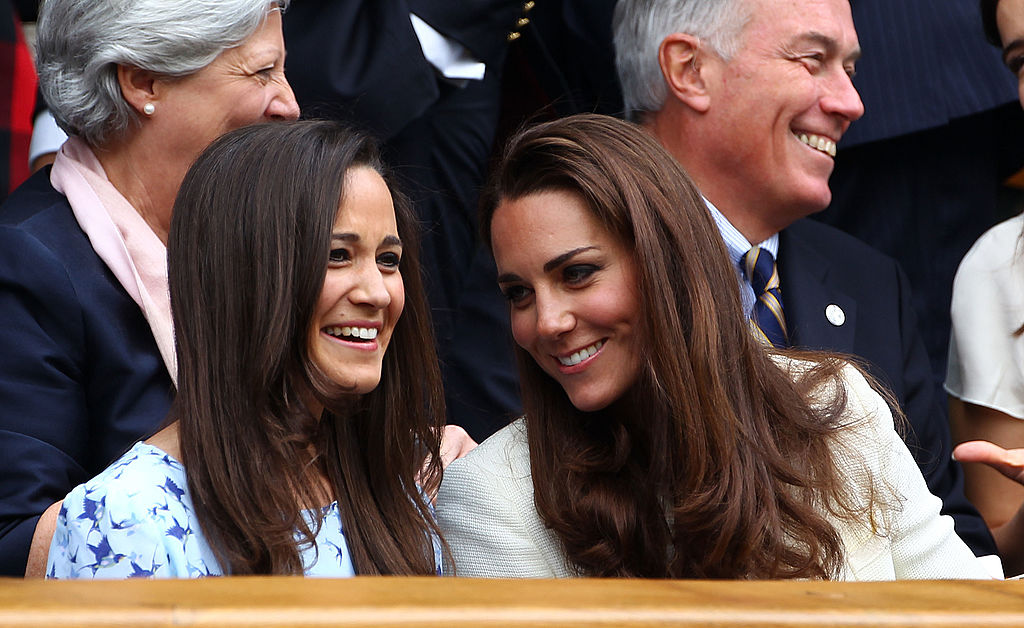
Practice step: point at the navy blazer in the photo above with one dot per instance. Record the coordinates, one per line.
(821, 266)
(81, 377)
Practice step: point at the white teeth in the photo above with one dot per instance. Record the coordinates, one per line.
(823, 144)
(363, 333)
(582, 354)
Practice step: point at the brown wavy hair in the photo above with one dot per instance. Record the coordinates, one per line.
(724, 468)
(248, 250)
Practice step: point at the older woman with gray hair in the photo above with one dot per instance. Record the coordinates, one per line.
(87, 367)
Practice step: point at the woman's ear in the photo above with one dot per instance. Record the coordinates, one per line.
(138, 87)
(683, 67)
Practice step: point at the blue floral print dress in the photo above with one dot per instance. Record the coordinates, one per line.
(136, 520)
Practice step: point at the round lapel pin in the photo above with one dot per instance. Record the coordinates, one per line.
(835, 314)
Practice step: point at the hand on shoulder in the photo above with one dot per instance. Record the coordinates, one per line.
(455, 443)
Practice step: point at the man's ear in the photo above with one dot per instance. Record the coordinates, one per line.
(137, 86)
(682, 63)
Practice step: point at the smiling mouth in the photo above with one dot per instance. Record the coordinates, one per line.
(818, 143)
(352, 334)
(581, 355)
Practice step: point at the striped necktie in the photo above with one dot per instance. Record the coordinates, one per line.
(767, 319)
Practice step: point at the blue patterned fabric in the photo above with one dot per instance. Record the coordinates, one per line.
(136, 520)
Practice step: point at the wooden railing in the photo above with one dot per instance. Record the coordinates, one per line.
(422, 602)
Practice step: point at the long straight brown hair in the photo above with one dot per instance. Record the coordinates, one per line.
(725, 466)
(248, 251)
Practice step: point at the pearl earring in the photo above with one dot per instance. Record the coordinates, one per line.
(148, 108)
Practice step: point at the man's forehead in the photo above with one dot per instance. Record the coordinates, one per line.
(773, 6)
(827, 23)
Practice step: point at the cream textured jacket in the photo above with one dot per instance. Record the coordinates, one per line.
(485, 507)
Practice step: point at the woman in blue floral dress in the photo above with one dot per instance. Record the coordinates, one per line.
(308, 392)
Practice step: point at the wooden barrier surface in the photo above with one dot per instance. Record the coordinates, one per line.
(428, 602)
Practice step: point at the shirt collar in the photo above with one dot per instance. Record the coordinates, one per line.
(737, 244)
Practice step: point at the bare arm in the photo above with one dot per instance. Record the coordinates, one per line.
(997, 497)
(40, 548)
(1007, 465)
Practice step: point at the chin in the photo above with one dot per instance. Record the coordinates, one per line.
(355, 384)
(824, 198)
(364, 387)
(588, 403)
(811, 201)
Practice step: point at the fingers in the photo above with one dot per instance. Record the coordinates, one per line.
(455, 443)
(980, 451)
(1009, 462)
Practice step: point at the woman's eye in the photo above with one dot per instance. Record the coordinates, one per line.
(389, 260)
(578, 273)
(338, 256)
(515, 294)
(1015, 64)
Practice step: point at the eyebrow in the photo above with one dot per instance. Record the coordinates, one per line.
(391, 240)
(508, 278)
(268, 54)
(1010, 48)
(554, 262)
(829, 43)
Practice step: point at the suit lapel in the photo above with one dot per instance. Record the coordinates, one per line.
(807, 296)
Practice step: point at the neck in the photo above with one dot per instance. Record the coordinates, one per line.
(167, 440)
(748, 223)
(627, 405)
(145, 177)
(694, 149)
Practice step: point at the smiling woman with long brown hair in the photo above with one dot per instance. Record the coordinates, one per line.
(307, 396)
(660, 438)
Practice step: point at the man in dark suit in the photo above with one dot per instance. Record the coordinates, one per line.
(368, 62)
(751, 96)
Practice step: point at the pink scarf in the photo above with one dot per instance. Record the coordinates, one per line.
(121, 238)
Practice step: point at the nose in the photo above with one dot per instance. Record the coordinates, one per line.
(842, 99)
(370, 289)
(283, 106)
(553, 318)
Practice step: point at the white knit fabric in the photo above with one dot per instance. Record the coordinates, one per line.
(486, 512)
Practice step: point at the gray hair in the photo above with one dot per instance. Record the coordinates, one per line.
(80, 43)
(640, 26)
